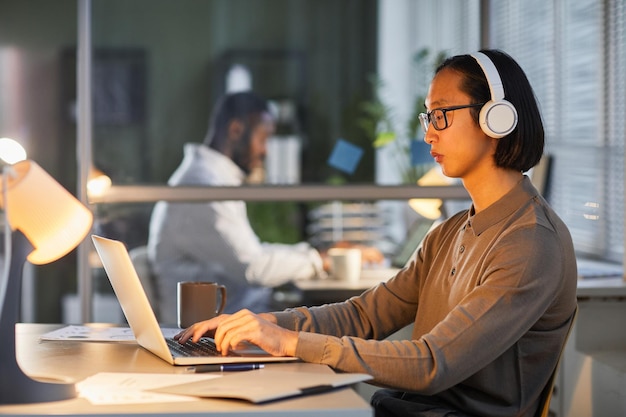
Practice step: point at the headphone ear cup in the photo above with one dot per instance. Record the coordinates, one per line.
(498, 118)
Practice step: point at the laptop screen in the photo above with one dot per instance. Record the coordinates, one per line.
(414, 238)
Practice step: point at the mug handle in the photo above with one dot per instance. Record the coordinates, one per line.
(223, 299)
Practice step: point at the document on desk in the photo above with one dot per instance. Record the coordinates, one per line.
(134, 388)
(264, 385)
(95, 333)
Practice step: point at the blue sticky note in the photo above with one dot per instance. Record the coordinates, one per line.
(345, 156)
(420, 152)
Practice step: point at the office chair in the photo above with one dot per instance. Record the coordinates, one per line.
(139, 258)
(546, 394)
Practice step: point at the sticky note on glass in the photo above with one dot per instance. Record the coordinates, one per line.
(420, 152)
(345, 156)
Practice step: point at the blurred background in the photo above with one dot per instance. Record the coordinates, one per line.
(338, 72)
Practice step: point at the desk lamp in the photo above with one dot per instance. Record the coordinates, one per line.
(43, 222)
(430, 207)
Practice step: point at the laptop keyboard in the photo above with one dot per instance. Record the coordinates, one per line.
(204, 347)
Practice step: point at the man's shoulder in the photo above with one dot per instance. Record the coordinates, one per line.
(194, 170)
(204, 166)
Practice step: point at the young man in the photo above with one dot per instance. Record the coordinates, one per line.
(492, 291)
(213, 240)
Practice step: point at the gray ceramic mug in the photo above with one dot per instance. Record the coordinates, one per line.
(199, 301)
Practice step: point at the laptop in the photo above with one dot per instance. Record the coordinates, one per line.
(143, 323)
(417, 232)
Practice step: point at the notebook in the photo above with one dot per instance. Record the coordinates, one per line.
(265, 385)
(143, 323)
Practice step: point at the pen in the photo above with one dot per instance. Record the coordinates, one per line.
(228, 367)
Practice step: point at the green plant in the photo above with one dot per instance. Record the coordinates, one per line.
(379, 118)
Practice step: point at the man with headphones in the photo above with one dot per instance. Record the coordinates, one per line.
(491, 293)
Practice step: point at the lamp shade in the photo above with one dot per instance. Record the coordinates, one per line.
(51, 218)
(430, 207)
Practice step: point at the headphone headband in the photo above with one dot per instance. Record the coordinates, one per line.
(497, 117)
(493, 76)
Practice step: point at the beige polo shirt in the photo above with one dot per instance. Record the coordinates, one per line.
(490, 296)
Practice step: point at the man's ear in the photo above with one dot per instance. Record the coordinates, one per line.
(235, 130)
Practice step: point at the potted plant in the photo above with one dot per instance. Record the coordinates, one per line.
(379, 119)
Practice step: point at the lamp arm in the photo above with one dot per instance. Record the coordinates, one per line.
(15, 386)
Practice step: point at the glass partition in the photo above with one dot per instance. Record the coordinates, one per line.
(341, 75)
(159, 66)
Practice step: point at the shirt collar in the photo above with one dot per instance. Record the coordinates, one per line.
(504, 207)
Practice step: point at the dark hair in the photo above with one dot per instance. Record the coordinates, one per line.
(523, 148)
(247, 107)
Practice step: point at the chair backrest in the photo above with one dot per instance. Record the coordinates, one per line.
(546, 394)
(139, 258)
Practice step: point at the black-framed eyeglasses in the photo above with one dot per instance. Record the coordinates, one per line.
(438, 118)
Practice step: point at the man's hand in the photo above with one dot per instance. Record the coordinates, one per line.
(229, 330)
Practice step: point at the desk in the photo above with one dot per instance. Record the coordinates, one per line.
(78, 360)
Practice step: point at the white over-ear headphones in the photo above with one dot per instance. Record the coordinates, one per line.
(498, 117)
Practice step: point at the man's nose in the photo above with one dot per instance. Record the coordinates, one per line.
(430, 135)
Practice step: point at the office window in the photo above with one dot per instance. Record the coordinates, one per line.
(574, 55)
(414, 36)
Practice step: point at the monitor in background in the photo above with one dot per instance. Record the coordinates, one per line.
(418, 231)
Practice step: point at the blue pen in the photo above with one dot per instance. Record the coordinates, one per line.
(228, 367)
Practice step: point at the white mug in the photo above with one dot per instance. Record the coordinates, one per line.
(345, 264)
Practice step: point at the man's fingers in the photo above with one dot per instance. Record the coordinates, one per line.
(238, 328)
(198, 330)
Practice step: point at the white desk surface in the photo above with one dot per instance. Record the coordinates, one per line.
(612, 287)
(78, 360)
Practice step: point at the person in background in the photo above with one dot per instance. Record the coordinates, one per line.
(491, 293)
(213, 240)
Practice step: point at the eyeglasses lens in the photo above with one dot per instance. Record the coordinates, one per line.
(437, 117)
(424, 121)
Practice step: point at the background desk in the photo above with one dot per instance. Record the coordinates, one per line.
(331, 290)
(78, 360)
